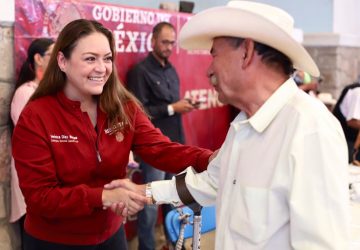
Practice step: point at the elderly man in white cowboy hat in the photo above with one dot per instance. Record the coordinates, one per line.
(279, 181)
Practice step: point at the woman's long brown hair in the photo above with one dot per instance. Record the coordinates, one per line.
(114, 99)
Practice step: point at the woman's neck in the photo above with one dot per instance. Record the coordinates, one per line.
(90, 107)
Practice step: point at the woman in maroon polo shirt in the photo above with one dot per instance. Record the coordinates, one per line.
(75, 135)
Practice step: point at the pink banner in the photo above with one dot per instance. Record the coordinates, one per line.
(132, 28)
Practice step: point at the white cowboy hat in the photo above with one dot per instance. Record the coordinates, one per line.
(262, 23)
(326, 98)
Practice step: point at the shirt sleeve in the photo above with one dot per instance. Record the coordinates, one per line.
(171, 110)
(319, 174)
(21, 97)
(354, 105)
(202, 186)
(157, 150)
(350, 107)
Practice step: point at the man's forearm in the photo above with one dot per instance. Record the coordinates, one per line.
(354, 123)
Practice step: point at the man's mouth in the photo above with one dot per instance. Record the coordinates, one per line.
(213, 80)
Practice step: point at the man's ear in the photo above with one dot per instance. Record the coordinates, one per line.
(153, 41)
(249, 50)
(61, 61)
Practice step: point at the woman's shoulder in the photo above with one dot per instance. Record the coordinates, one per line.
(131, 106)
(30, 86)
(26, 90)
(41, 104)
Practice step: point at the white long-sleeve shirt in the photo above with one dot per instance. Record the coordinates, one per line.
(279, 181)
(350, 106)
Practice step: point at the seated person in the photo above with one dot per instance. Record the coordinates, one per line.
(347, 110)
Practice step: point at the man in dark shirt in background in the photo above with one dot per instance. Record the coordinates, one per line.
(155, 83)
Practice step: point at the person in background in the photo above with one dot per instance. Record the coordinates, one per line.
(327, 99)
(347, 110)
(155, 83)
(283, 164)
(75, 135)
(306, 82)
(31, 72)
(311, 85)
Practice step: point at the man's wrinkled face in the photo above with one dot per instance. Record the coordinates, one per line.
(224, 71)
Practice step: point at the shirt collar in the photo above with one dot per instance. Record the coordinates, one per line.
(67, 102)
(268, 111)
(156, 63)
(74, 106)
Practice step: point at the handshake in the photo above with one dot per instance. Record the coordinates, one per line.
(124, 197)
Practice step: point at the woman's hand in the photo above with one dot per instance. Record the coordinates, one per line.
(213, 155)
(123, 197)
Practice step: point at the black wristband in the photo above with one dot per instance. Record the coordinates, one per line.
(182, 190)
(185, 195)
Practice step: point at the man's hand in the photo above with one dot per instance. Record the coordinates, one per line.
(123, 197)
(127, 184)
(182, 106)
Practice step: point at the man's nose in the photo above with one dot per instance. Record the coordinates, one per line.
(209, 71)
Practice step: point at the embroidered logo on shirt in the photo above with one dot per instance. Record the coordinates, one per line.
(119, 136)
(64, 138)
(114, 129)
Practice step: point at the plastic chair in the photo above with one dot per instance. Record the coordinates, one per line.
(179, 224)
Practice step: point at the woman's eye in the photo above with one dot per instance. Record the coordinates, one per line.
(109, 58)
(90, 59)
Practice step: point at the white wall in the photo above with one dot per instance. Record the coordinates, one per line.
(309, 15)
(7, 11)
(312, 16)
(199, 4)
(347, 16)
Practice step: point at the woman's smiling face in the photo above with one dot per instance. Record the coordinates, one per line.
(88, 68)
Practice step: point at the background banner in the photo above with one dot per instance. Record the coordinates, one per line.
(205, 127)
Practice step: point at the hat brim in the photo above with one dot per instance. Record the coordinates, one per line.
(198, 34)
